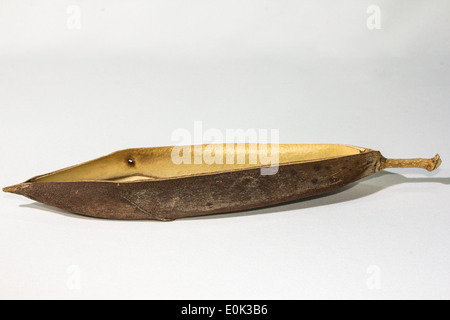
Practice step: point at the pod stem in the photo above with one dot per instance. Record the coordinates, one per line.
(428, 164)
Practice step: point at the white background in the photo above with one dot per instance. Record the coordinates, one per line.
(135, 71)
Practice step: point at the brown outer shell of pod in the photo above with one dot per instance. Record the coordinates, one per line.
(199, 195)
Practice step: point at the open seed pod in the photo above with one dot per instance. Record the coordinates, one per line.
(166, 183)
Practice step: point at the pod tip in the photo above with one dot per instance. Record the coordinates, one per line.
(16, 188)
(10, 189)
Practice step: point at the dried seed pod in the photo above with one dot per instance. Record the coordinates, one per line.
(166, 183)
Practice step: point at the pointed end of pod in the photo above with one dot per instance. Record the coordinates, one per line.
(17, 189)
